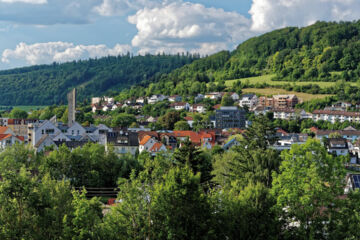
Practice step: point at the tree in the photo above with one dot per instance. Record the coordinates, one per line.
(169, 119)
(180, 208)
(195, 159)
(307, 189)
(123, 120)
(18, 113)
(253, 160)
(181, 126)
(227, 100)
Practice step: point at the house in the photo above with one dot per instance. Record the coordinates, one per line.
(75, 130)
(285, 101)
(261, 110)
(289, 113)
(180, 106)
(234, 96)
(351, 135)
(175, 98)
(146, 143)
(157, 148)
(189, 120)
(286, 141)
(96, 107)
(338, 146)
(334, 116)
(4, 121)
(123, 142)
(140, 100)
(151, 119)
(199, 97)
(213, 95)
(20, 126)
(200, 108)
(352, 183)
(198, 139)
(45, 141)
(230, 117)
(156, 98)
(98, 100)
(279, 101)
(107, 107)
(169, 140)
(7, 140)
(116, 106)
(248, 100)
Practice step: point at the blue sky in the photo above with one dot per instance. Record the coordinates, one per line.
(44, 31)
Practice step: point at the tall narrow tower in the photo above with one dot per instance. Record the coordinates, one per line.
(71, 107)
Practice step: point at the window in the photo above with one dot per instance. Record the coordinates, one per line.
(72, 132)
(42, 131)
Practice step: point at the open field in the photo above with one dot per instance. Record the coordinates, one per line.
(267, 79)
(25, 108)
(274, 91)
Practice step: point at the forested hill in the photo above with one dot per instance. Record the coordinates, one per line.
(49, 84)
(324, 51)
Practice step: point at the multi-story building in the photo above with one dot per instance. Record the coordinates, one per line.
(289, 113)
(334, 116)
(249, 100)
(230, 117)
(122, 141)
(285, 101)
(279, 101)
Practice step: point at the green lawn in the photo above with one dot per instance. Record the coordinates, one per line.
(25, 108)
(267, 79)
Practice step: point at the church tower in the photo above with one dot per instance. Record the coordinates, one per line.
(71, 97)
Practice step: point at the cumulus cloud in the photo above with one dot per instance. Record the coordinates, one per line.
(121, 7)
(271, 14)
(42, 53)
(25, 1)
(183, 26)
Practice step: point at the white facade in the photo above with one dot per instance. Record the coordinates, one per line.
(249, 101)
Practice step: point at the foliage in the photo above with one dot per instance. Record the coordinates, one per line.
(49, 84)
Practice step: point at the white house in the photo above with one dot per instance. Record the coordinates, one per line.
(146, 143)
(213, 95)
(180, 106)
(189, 120)
(200, 108)
(37, 130)
(156, 98)
(7, 140)
(334, 116)
(289, 114)
(199, 97)
(175, 98)
(249, 100)
(338, 146)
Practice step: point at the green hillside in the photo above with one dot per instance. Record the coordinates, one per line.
(319, 58)
(49, 84)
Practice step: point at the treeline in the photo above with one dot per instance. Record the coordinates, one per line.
(250, 192)
(49, 84)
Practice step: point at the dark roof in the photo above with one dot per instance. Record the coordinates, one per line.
(341, 132)
(123, 138)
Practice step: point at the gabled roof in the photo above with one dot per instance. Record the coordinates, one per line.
(3, 130)
(145, 139)
(188, 118)
(156, 147)
(4, 136)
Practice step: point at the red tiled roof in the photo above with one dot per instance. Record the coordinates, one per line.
(156, 147)
(142, 134)
(314, 129)
(145, 139)
(4, 136)
(21, 138)
(3, 129)
(188, 118)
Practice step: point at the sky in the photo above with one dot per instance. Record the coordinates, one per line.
(46, 31)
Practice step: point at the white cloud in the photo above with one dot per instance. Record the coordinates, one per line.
(25, 1)
(271, 14)
(42, 53)
(121, 7)
(180, 26)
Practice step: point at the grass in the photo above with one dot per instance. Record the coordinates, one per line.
(267, 79)
(25, 108)
(274, 91)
